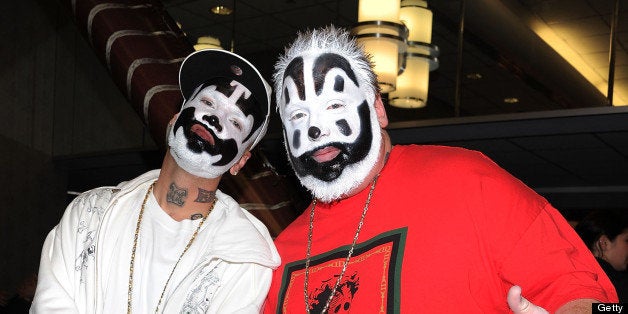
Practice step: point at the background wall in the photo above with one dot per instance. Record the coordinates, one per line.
(56, 100)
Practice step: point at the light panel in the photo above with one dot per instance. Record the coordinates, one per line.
(420, 59)
(384, 53)
(378, 10)
(620, 97)
(207, 42)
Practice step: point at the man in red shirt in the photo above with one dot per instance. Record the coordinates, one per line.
(410, 229)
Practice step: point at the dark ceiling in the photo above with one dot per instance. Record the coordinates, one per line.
(498, 45)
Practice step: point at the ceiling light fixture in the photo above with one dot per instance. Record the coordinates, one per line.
(221, 10)
(420, 56)
(474, 76)
(383, 36)
(207, 42)
(397, 35)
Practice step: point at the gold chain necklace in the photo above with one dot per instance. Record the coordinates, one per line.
(137, 234)
(346, 262)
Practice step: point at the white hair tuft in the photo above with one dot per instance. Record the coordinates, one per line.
(329, 39)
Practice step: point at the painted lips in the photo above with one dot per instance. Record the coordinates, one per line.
(203, 133)
(326, 154)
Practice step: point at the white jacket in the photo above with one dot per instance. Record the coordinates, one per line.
(85, 259)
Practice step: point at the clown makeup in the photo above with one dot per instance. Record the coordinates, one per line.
(332, 134)
(214, 128)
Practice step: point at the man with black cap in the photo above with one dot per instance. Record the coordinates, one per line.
(169, 240)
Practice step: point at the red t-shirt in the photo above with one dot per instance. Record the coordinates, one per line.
(447, 230)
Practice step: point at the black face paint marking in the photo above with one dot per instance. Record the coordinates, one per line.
(249, 106)
(296, 141)
(295, 71)
(343, 127)
(326, 62)
(287, 96)
(227, 148)
(350, 153)
(213, 121)
(339, 84)
(313, 132)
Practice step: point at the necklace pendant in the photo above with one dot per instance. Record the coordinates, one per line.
(346, 261)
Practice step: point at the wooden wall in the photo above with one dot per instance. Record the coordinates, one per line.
(57, 101)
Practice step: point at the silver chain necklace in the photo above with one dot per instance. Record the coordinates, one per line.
(137, 233)
(346, 262)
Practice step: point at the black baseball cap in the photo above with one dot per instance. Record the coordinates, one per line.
(204, 65)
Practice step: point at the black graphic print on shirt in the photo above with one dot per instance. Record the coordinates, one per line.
(371, 282)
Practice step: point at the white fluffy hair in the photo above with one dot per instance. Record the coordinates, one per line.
(328, 39)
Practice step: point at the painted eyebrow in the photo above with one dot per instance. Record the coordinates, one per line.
(295, 71)
(324, 63)
(286, 95)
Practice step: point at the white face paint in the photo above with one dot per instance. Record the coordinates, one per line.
(330, 125)
(212, 132)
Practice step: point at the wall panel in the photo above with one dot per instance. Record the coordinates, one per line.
(57, 101)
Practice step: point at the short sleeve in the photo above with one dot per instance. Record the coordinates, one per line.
(553, 266)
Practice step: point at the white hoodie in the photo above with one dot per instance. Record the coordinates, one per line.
(85, 259)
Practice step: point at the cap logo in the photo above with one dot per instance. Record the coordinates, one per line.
(236, 70)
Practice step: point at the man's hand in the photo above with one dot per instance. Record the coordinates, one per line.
(518, 304)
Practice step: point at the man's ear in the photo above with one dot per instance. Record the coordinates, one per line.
(174, 118)
(171, 125)
(604, 241)
(240, 164)
(382, 118)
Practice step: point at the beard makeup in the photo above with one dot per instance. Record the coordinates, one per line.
(331, 130)
(225, 112)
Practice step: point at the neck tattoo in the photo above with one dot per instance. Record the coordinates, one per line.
(205, 196)
(176, 195)
(346, 262)
(135, 240)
